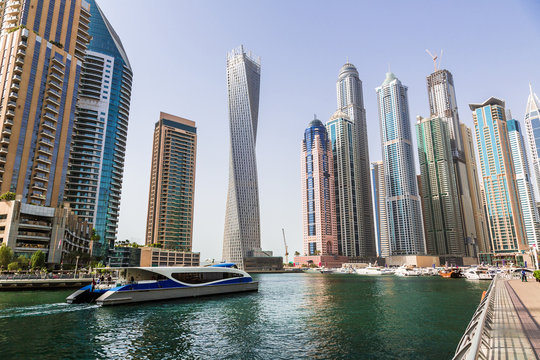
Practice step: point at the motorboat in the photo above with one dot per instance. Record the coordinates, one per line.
(374, 270)
(477, 273)
(138, 284)
(406, 271)
(450, 273)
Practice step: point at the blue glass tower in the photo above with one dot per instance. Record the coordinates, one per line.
(98, 148)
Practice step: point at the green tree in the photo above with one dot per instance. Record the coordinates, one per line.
(6, 255)
(296, 253)
(13, 266)
(38, 259)
(7, 196)
(23, 261)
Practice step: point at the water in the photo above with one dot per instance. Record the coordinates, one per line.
(301, 316)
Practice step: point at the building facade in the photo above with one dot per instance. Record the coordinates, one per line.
(172, 184)
(242, 222)
(350, 101)
(502, 200)
(43, 50)
(153, 256)
(403, 208)
(531, 220)
(318, 194)
(95, 173)
(440, 201)
(125, 256)
(475, 189)
(532, 125)
(379, 201)
(443, 104)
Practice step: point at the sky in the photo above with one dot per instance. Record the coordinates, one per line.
(178, 49)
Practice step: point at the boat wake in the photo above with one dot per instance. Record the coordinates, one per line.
(44, 309)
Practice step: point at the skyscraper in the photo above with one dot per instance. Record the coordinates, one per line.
(532, 124)
(379, 199)
(502, 200)
(95, 174)
(531, 221)
(402, 200)
(41, 66)
(318, 196)
(443, 104)
(475, 189)
(172, 184)
(350, 101)
(442, 215)
(242, 224)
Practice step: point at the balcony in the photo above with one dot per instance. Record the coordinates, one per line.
(47, 134)
(22, 45)
(2, 159)
(44, 160)
(57, 68)
(55, 85)
(10, 113)
(4, 141)
(44, 150)
(6, 131)
(21, 52)
(49, 125)
(3, 151)
(17, 77)
(17, 70)
(19, 60)
(49, 116)
(8, 122)
(15, 86)
(13, 95)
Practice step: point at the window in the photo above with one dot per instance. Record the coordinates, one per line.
(203, 277)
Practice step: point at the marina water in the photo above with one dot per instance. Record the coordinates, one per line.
(302, 316)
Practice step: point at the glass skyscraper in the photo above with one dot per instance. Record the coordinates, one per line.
(94, 182)
(242, 224)
(502, 201)
(350, 101)
(379, 199)
(532, 124)
(405, 229)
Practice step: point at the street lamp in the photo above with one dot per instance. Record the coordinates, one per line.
(76, 265)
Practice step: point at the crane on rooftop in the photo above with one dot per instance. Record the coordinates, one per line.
(286, 248)
(434, 58)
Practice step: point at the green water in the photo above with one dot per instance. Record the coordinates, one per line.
(293, 316)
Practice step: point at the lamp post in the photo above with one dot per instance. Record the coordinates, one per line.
(76, 265)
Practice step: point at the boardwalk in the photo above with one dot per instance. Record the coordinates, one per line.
(506, 324)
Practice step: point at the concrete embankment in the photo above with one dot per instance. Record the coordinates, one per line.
(36, 284)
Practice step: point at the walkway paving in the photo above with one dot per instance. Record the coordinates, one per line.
(526, 299)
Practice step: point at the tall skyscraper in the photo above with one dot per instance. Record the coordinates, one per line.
(531, 220)
(402, 200)
(442, 216)
(379, 200)
(172, 183)
(242, 224)
(350, 101)
(95, 174)
(532, 124)
(443, 104)
(475, 189)
(318, 196)
(502, 200)
(41, 64)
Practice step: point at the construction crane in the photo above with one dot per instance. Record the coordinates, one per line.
(286, 248)
(434, 58)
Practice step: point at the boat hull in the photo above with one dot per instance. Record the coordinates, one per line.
(135, 296)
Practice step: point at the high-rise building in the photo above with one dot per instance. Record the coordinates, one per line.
(379, 201)
(318, 196)
(402, 201)
(350, 101)
(343, 141)
(242, 224)
(531, 220)
(443, 104)
(172, 184)
(475, 189)
(442, 216)
(94, 181)
(43, 49)
(502, 200)
(532, 125)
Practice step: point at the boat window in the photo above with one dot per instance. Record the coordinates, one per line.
(203, 277)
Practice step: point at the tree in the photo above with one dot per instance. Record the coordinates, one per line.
(38, 259)
(13, 266)
(23, 262)
(296, 253)
(7, 196)
(6, 255)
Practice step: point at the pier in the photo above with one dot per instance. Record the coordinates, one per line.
(30, 282)
(506, 323)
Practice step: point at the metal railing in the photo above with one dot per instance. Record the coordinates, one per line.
(475, 342)
(42, 276)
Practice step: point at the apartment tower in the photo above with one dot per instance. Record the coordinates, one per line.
(172, 184)
(532, 125)
(379, 201)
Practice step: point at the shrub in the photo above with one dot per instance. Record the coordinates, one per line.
(6, 255)
(38, 259)
(536, 274)
(12, 266)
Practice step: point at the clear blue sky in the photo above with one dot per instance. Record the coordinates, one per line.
(178, 53)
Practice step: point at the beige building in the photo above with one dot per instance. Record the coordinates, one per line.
(152, 256)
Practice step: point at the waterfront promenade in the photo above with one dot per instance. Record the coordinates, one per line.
(506, 323)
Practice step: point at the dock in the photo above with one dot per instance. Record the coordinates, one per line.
(37, 284)
(506, 323)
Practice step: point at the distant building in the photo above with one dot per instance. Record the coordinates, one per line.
(153, 256)
(172, 184)
(379, 201)
(56, 232)
(440, 200)
(403, 208)
(125, 256)
(502, 199)
(532, 124)
(242, 223)
(531, 220)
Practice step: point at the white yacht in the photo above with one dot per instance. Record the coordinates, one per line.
(478, 273)
(406, 271)
(374, 270)
(138, 284)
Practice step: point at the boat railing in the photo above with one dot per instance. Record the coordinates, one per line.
(475, 342)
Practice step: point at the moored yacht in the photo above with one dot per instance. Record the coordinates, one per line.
(407, 271)
(477, 273)
(138, 284)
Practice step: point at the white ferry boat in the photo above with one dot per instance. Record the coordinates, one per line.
(138, 284)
